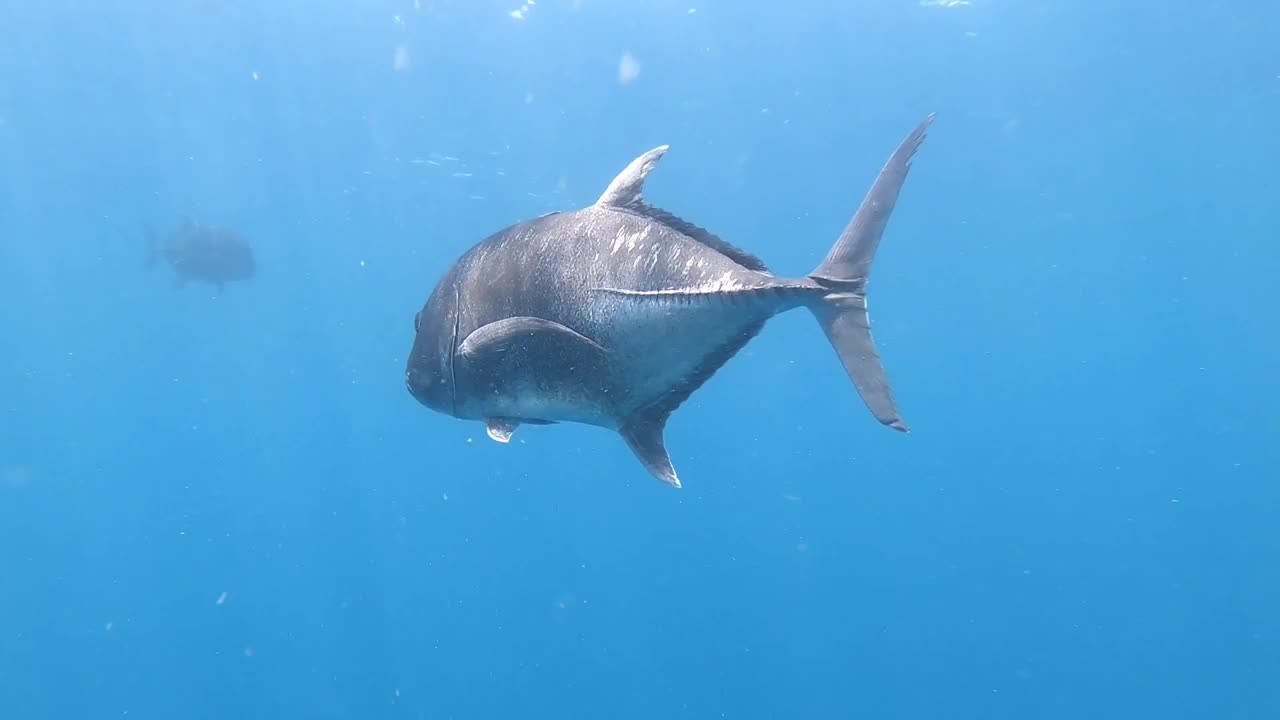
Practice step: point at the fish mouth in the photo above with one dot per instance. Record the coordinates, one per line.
(418, 383)
(409, 385)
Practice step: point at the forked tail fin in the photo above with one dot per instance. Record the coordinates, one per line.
(842, 312)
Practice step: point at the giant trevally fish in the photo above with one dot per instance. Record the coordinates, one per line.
(615, 314)
(202, 253)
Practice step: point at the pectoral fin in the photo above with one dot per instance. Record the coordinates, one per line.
(522, 357)
(523, 334)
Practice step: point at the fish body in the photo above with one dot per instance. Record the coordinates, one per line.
(202, 253)
(613, 315)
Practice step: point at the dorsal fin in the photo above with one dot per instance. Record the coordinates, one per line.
(626, 192)
(628, 187)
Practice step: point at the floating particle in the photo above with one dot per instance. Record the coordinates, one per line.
(222, 599)
(628, 68)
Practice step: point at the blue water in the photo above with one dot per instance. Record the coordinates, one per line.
(228, 506)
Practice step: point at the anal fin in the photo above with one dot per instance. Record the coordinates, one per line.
(643, 434)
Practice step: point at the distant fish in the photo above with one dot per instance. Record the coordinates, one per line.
(615, 314)
(202, 253)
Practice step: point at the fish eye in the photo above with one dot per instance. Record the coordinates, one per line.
(417, 321)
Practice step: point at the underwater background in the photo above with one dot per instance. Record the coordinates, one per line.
(227, 505)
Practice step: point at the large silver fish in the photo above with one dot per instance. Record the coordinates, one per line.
(615, 314)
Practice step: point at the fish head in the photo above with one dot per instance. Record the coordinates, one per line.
(429, 374)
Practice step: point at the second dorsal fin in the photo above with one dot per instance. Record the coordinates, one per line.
(626, 192)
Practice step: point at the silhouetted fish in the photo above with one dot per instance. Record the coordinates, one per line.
(203, 253)
(615, 314)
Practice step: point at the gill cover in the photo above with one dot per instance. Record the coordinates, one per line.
(429, 374)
